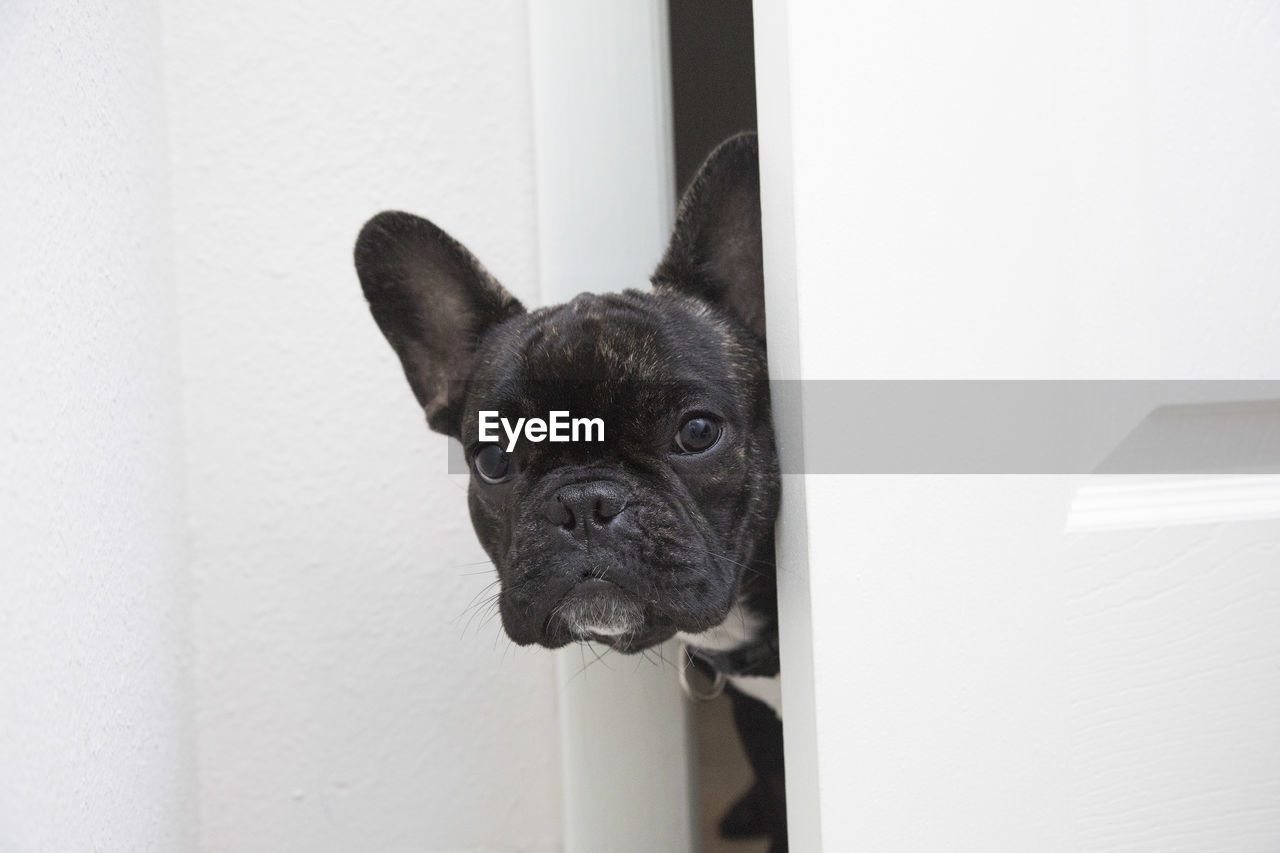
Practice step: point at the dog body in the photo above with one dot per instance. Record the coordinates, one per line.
(660, 527)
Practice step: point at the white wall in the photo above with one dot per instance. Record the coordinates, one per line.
(95, 750)
(344, 704)
(1008, 190)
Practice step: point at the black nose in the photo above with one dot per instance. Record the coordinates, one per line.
(580, 508)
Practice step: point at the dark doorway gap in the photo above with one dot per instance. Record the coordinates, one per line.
(713, 77)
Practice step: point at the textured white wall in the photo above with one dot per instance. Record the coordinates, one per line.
(95, 753)
(342, 705)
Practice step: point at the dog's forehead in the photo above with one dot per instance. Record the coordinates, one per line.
(592, 336)
(618, 355)
(628, 336)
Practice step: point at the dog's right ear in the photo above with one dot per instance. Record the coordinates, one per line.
(434, 302)
(716, 251)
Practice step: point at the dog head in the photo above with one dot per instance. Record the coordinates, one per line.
(648, 528)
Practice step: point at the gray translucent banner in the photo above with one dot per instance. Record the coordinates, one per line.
(938, 427)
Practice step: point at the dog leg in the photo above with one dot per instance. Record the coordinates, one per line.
(763, 809)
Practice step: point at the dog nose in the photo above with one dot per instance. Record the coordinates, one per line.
(581, 507)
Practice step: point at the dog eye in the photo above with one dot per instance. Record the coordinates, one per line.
(492, 463)
(697, 434)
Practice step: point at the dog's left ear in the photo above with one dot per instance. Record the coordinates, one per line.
(715, 250)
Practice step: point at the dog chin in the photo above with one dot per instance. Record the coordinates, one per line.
(596, 609)
(602, 612)
(633, 641)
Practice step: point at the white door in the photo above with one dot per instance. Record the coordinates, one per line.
(1003, 190)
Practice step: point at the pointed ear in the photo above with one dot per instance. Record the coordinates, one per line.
(434, 302)
(715, 251)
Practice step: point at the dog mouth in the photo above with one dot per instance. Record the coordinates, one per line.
(603, 612)
(596, 609)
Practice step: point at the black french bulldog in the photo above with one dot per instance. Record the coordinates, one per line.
(662, 528)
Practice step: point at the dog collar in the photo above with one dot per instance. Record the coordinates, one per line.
(758, 659)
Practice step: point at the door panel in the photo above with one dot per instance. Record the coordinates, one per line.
(1045, 192)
